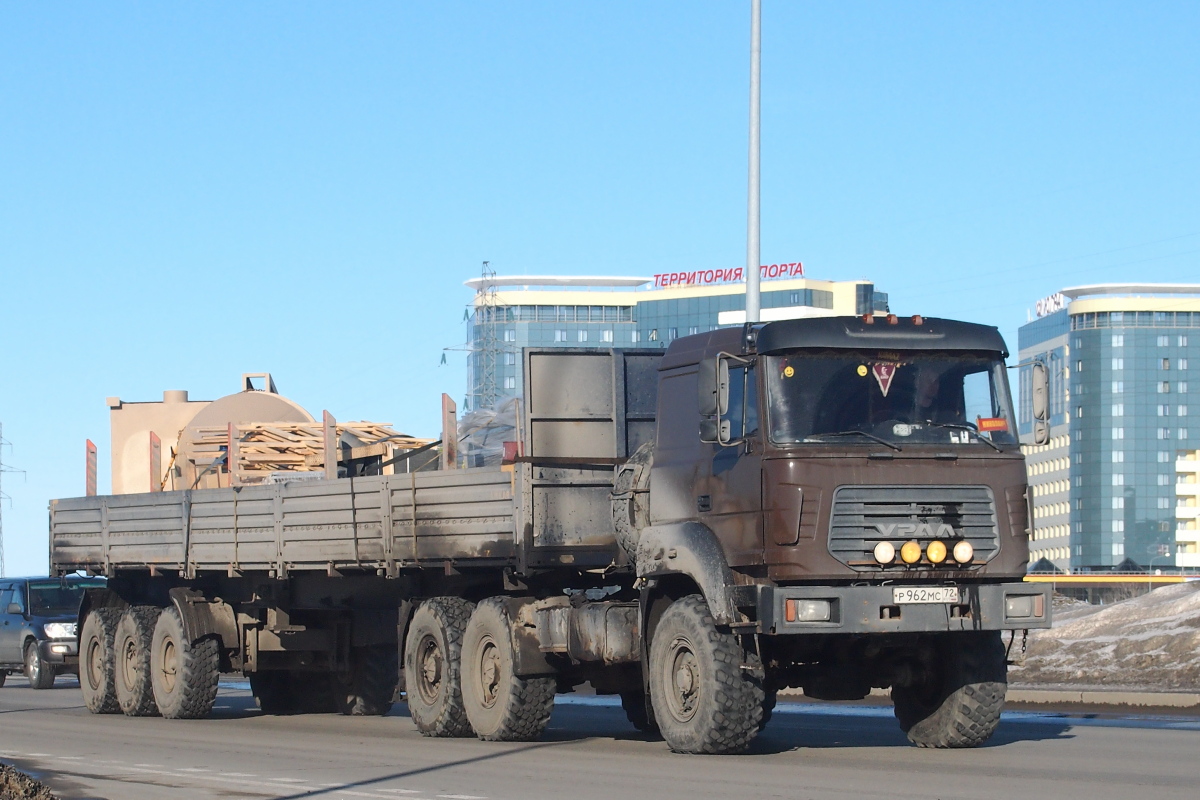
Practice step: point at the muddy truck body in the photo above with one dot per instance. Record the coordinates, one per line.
(833, 505)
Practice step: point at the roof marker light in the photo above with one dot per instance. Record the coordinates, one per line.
(918, 319)
(892, 319)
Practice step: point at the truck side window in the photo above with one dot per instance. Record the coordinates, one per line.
(743, 402)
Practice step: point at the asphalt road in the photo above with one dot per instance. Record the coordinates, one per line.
(589, 753)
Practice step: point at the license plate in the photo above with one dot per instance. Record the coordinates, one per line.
(902, 595)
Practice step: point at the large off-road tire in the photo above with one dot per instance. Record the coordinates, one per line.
(97, 663)
(770, 699)
(433, 667)
(371, 685)
(131, 650)
(184, 674)
(960, 704)
(639, 713)
(704, 702)
(39, 673)
(501, 706)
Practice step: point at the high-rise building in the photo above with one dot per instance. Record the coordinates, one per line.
(1118, 478)
(510, 313)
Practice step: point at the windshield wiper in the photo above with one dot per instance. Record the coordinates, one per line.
(968, 428)
(870, 436)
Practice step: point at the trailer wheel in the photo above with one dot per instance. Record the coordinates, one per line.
(369, 688)
(639, 713)
(39, 673)
(132, 646)
(97, 666)
(184, 674)
(960, 705)
(501, 706)
(433, 667)
(703, 700)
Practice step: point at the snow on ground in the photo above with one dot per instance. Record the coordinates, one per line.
(1151, 642)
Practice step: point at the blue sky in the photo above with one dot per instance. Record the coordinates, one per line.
(193, 191)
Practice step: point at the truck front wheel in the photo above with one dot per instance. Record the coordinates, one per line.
(135, 690)
(959, 703)
(433, 667)
(501, 706)
(97, 680)
(704, 702)
(184, 674)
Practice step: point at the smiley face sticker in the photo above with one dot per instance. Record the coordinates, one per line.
(788, 371)
(862, 370)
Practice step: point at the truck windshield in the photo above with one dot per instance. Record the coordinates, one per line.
(898, 397)
(51, 598)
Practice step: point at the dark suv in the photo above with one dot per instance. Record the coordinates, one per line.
(37, 626)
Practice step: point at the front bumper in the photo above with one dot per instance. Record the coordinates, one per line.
(60, 652)
(872, 609)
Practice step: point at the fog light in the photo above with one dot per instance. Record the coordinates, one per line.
(885, 553)
(910, 552)
(58, 648)
(1018, 606)
(936, 552)
(807, 610)
(963, 552)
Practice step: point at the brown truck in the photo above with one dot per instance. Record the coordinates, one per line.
(831, 504)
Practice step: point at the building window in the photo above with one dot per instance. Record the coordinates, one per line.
(1079, 480)
(1118, 340)
(1118, 479)
(1118, 549)
(1164, 387)
(1118, 502)
(510, 382)
(583, 336)
(672, 334)
(606, 336)
(510, 336)
(1118, 457)
(1079, 366)
(560, 336)
(1183, 434)
(1118, 409)
(510, 359)
(1164, 411)
(1164, 457)
(1164, 502)
(1183, 341)
(1118, 387)
(1164, 433)
(1163, 340)
(1166, 363)
(1118, 433)
(1182, 411)
(1078, 411)
(1183, 363)
(1183, 387)
(653, 337)
(1164, 480)
(1118, 363)
(1118, 526)
(635, 336)
(692, 331)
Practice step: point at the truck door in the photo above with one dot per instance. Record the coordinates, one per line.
(729, 489)
(10, 626)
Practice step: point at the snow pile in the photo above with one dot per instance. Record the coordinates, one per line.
(1150, 642)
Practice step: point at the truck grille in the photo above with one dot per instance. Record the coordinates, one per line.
(865, 515)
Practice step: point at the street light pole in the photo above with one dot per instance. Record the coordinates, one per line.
(752, 223)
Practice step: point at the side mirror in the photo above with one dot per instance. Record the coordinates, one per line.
(1041, 403)
(15, 608)
(710, 430)
(706, 382)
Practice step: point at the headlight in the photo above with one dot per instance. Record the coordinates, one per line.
(963, 552)
(60, 630)
(885, 552)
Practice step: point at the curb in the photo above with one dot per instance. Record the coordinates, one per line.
(1089, 697)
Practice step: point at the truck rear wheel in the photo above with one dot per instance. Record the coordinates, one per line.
(704, 702)
(132, 647)
(184, 674)
(959, 705)
(369, 688)
(97, 679)
(501, 706)
(433, 667)
(39, 673)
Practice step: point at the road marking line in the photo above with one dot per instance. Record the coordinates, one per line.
(461, 797)
(192, 769)
(150, 766)
(288, 780)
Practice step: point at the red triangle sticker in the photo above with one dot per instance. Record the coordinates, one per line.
(883, 376)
